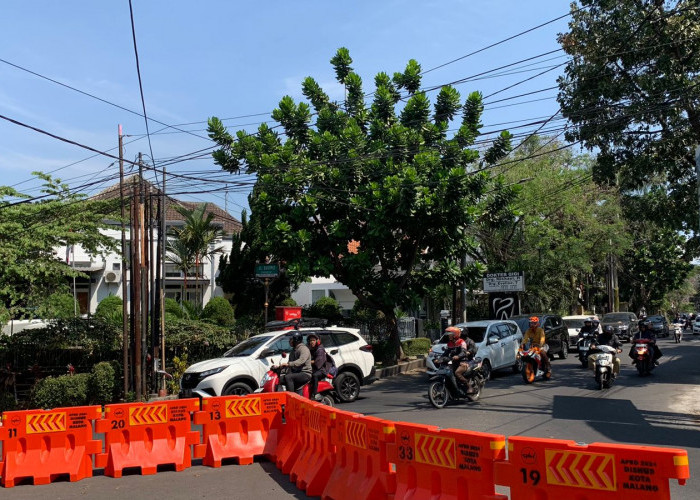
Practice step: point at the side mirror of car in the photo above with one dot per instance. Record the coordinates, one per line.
(493, 339)
(267, 353)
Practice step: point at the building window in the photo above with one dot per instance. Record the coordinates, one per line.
(317, 294)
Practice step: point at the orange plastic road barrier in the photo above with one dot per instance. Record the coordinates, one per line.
(362, 470)
(541, 469)
(316, 460)
(239, 427)
(290, 444)
(445, 463)
(146, 435)
(42, 445)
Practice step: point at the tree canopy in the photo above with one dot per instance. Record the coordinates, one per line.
(631, 90)
(31, 230)
(377, 194)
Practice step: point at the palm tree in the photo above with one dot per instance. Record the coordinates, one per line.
(179, 254)
(198, 235)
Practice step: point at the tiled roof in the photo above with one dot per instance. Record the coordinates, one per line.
(229, 223)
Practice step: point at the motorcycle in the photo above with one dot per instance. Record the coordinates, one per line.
(444, 386)
(325, 392)
(532, 364)
(584, 345)
(642, 356)
(603, 357)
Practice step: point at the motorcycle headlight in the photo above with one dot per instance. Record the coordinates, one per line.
(266, 378)
(624, 327)
(213, 371)
(603, 362)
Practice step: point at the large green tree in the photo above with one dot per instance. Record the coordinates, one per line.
(379, 194)
(632, 92)
(32, 229)
(558, 226)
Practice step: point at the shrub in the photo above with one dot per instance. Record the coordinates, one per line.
(110, 310)
(102, 384)
(198, 339)
(174, 309)
(65, 390)
(289, 302)
(179, 367)
(325, 307)
(415, 347)
(219, 311)
(381, 350)
(59, 306)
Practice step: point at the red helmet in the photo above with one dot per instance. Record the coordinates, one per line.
(534, 319)
(454, 330)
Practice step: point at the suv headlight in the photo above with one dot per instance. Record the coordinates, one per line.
(213, 371)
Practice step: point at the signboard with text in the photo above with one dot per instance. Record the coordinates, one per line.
(504, 282)
(267, 270)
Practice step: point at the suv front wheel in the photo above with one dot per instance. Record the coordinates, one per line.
(347, 386)
(564, 353)
(236, 389)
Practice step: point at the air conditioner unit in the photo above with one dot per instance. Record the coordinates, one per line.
(112, 277)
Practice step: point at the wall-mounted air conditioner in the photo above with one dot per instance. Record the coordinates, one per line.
(113, 277)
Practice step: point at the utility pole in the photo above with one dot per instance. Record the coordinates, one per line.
(164, 244)
(125, 294)
(136, 264)
(143, 238)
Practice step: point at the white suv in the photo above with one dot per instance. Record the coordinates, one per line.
(239, 370)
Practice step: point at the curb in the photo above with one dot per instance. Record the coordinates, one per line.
(404, 367)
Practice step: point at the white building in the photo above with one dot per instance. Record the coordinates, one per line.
(105, 272)
(309, 292)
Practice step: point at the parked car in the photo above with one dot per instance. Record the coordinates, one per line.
(574, 325)
(696, 326)
(659, 325)
(555, 331)
(239, 370)
(496, 343)
(625, 324)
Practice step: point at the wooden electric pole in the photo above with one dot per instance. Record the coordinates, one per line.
(125, 292)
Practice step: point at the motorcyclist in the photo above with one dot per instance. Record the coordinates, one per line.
(647, 332)
(535, 335)
(460, 351)
(609, 338)
(588, 328)
(299, 365)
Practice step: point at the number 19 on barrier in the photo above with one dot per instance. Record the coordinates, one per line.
(533, 476)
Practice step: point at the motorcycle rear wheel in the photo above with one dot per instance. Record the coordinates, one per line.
(529, 372)
(328, 400)
(478, 385)
(437, 394)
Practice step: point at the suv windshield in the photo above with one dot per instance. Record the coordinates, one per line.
(246, 348)
(617, 317)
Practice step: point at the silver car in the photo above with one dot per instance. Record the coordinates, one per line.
(497, 343)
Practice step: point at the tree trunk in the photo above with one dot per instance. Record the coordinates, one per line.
(394, 353)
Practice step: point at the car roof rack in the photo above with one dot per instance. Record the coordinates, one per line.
(296, 323)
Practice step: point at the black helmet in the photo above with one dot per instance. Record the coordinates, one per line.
(588, 320)
(608, 329)
(296, 338)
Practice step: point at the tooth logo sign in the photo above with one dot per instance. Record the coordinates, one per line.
(503, 307)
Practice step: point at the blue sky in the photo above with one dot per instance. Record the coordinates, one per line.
(232, 59)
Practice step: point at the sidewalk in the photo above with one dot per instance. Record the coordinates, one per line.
(402, 367)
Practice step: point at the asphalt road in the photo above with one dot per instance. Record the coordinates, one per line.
(660, 410)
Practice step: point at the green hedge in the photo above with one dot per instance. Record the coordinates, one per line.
(110, 310)
(416, 347)
(96, 387)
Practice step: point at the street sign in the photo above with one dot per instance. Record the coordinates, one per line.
(267, 270)
(504, 282)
